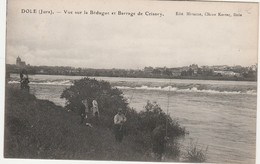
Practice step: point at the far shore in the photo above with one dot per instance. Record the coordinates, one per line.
(213, 78)
(193, 72)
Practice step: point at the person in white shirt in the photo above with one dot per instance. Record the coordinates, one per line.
(95, 108)
(119, 120)
(95, 112)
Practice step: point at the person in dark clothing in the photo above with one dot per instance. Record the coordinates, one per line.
(82, 113)
(159, 141)
(24, 80)
(87, 114)
(119, 121)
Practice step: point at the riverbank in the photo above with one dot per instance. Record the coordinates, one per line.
(39, 129)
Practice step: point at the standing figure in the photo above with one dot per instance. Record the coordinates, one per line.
(82, 112)
(88, 114)
(119, 120)
(95, 111)
(95, 108)
(87, 111)
(24, 80)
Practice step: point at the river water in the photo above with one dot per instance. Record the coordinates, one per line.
(220, 115)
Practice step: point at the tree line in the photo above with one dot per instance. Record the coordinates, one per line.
(189, 72)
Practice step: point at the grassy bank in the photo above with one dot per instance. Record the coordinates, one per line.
(40, 129)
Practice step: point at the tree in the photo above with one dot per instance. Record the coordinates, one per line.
(156, 71)
(167, 72)
(184, 73)
(190, 72)
(199, 71)
(153, 120)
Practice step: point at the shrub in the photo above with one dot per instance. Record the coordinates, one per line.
(194, 153)
(152, 117)
(173, 150)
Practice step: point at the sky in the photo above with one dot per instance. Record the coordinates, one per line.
(122, 41)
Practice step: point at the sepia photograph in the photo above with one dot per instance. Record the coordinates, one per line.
(139, 81)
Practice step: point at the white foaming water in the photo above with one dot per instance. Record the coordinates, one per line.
(218, 114)
(13, 82)
(143, 87)
(193, 89)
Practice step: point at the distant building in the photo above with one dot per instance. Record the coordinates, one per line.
(41, 71)
(19, 62)
(227, 73)
(148, 69)
(220, 68)
(194, 68)
(176, 72)
(186, 68)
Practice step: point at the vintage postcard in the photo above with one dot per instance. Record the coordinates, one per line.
(151, 81)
